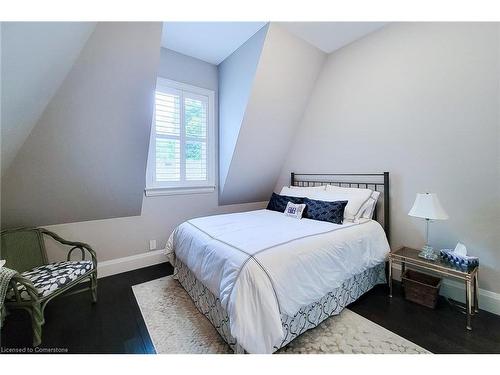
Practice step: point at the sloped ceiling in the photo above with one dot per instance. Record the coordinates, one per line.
(285, 76)
(85, 158)
(236, 77)
(330, 36)
(36, 57)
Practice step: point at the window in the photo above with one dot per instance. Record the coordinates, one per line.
(182, 147)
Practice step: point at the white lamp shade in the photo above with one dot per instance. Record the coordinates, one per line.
(427, 206)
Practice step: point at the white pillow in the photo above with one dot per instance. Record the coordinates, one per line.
(310, 188)
(299, 191)
(369, 207)
(294, 210)
(355, 198)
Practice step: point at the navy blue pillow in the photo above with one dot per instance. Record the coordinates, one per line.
(279, 202)
(325, 211)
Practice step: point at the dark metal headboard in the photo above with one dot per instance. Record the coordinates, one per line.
(375, 181)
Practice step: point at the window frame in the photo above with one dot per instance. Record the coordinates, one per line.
(153, 187)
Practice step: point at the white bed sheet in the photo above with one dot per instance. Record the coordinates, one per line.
(263, 263)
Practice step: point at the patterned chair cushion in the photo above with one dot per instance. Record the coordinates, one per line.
(51, 277)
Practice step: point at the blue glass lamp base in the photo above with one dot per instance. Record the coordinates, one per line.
(428, 253)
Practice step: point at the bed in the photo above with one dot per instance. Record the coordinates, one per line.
(263, 278)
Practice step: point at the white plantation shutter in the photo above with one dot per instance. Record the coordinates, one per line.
(196, 132)
(167, 122)
(182, 137)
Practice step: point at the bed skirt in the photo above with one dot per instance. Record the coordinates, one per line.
(306, 318)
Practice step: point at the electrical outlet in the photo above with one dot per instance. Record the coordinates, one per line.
(152, 244)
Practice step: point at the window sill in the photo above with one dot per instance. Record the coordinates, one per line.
(154, 192)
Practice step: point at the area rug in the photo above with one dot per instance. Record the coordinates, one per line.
(176, 326)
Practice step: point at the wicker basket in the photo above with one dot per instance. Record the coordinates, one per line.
(421, 288)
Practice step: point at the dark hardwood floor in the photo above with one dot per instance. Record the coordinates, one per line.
(115, 324)
(441, 331)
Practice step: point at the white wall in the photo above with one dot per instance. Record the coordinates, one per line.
(121, 237)
(85, 158)
(186, 69)
(421, 101)
(236, 77)
(498, 114)
(285, 77)
(28, 84)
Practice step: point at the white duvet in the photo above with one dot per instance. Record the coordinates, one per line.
(262, 264)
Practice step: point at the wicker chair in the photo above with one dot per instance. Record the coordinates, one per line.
(38, 281)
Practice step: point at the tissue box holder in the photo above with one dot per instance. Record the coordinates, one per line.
(459, 261)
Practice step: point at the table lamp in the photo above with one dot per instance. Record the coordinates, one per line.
(427, 207)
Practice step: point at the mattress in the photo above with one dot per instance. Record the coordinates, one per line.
(262, 265)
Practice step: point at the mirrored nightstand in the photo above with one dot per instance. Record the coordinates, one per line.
(409, 257)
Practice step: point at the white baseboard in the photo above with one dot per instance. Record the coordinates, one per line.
(115, 266)
(488, 301)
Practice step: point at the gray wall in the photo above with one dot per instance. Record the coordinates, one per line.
(121, 237)
(28, 83)
(498, 114)
(236, 76)
(186, 69)
(86, 157)
(420, 100)
(286, 74)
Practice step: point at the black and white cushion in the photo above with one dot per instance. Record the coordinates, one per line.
(51, 277)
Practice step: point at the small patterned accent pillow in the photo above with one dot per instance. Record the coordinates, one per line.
(279, 202)
(325, 211)
(294, 210)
